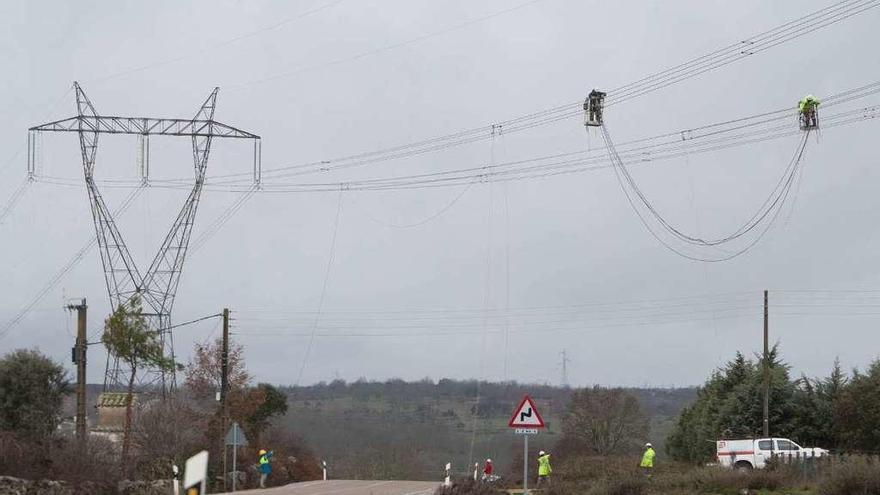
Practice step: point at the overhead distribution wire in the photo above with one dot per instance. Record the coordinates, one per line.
(562, 327)
(712, 301)
(740, 305)
(190, 322)
(574, 318)
(59, 275)
(679, 301)
(766, 40)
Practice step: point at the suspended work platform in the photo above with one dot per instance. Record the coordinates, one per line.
(593, 106)
(808, 113)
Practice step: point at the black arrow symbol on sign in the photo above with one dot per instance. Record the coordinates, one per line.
(525, 414)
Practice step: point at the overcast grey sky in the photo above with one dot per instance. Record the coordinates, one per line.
(429, 300)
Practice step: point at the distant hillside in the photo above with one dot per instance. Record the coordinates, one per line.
(410, 430)
(397, 429)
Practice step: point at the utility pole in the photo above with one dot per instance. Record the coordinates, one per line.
(79, 358)
(224, 386)
(766, 366)
(224, 361)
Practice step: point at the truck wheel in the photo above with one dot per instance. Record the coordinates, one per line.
(743, 466)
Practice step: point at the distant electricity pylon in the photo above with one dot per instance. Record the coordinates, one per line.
(565, 361)
(157, 287)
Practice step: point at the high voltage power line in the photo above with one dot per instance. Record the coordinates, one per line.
(766, 40)
(13, 200)
(796, 28)
(219, 44)
(760, 127)
(392, 46)
(706, 138)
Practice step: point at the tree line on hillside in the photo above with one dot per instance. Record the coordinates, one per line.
(495, 398)
(445, 388)
(840, 411)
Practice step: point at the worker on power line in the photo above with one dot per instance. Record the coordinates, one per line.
(544, 469)
(487, 469)
(593, 106)
(265, 467)
(647, 463)
(807, 108)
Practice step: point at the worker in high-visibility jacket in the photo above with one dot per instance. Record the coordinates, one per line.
(544, 468)
(647, 463)
(265, 467)
(807, 108)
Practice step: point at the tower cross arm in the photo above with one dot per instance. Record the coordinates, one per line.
(145, 126)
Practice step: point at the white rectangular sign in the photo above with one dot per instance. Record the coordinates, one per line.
(195, 474)
(526, 431)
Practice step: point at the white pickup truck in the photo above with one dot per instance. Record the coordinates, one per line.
(754, 453)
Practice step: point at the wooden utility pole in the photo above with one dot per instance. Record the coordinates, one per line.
(224, 361)
(79, 358)
(224, 387)
(766, 366)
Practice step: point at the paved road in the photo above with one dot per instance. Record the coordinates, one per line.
(351, 487)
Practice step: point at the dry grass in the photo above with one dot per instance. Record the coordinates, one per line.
(616, 476)
(854, 477)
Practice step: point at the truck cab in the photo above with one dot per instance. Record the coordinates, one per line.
(756, 453)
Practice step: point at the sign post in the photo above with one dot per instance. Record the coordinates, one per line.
(235, 438)
(525, 464)
(526, 420)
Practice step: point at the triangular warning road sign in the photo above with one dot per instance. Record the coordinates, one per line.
(526, 415)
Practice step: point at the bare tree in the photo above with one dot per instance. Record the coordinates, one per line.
(203, 374)
(166, 433)
(603, 421)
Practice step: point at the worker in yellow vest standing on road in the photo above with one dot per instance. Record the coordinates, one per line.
(544, 469)
(647, 463)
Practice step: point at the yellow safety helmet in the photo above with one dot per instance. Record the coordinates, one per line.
(262, 452)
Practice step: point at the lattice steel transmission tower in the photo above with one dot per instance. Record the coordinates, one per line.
(157, 287)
